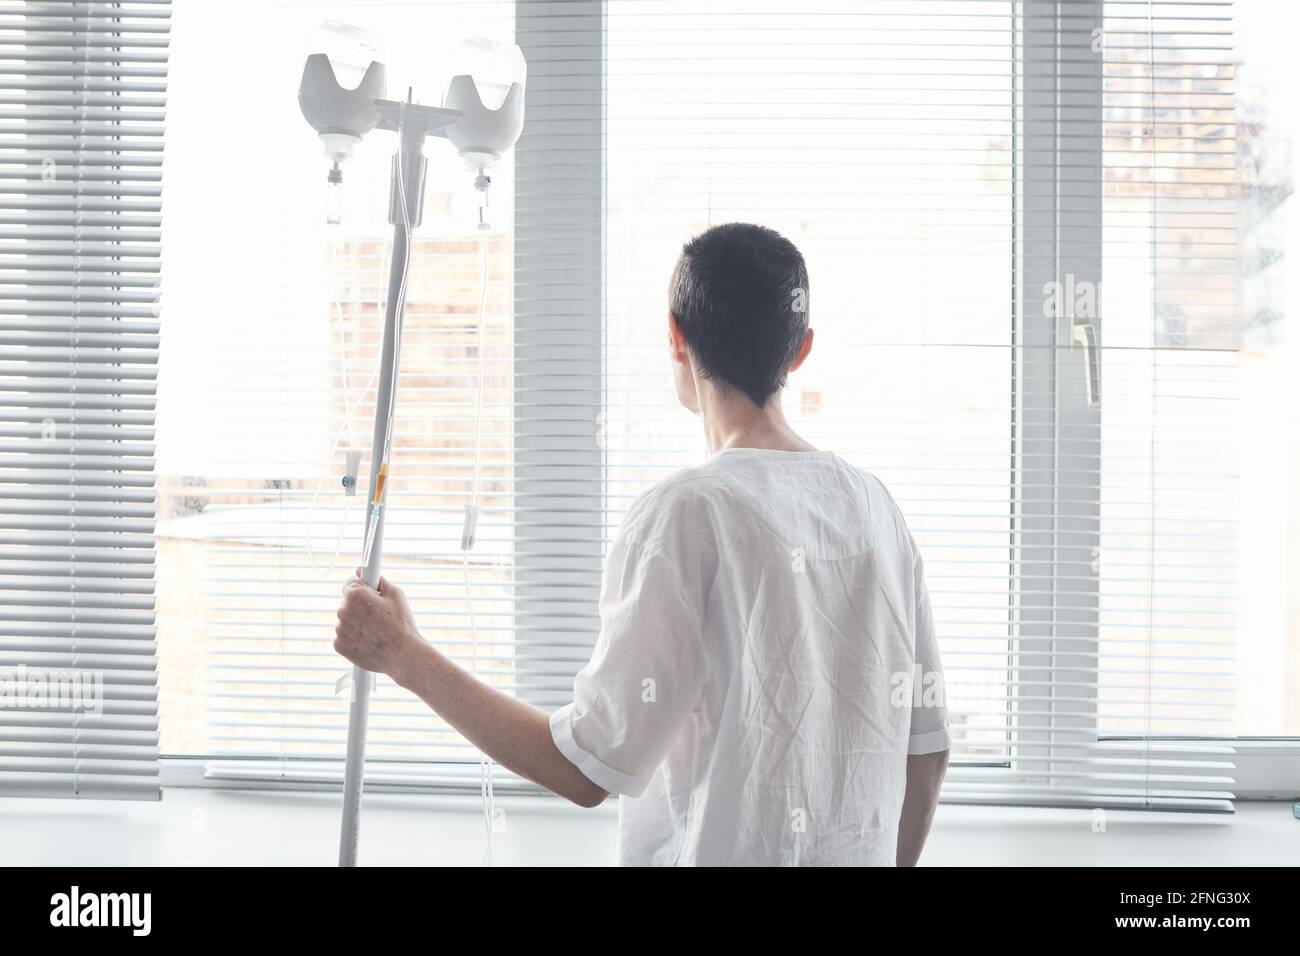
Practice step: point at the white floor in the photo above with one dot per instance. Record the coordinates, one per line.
(222, 827)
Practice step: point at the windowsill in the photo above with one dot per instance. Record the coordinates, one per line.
(217, 827)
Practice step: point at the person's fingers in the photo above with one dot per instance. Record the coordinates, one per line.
(352, 585)
(390, 590)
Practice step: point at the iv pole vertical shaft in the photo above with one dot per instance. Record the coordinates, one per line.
(359, 709)
(408, 184)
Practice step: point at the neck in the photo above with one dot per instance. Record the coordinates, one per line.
(732, 421)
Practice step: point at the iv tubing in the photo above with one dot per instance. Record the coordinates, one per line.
(485, 763)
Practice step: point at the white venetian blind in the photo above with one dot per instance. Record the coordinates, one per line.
(944, 167)
(82, 93)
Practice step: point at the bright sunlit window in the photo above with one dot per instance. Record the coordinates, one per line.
(1099, 520)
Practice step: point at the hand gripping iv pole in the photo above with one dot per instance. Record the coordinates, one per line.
(341, 117)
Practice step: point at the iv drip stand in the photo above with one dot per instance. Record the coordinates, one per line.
(341, 117)
(409, 165)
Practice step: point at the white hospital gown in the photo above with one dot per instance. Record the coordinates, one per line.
(763, 620)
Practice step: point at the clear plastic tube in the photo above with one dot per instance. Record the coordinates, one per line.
(371, 529)
(471, 513)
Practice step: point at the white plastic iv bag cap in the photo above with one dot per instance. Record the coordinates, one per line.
(339, 146)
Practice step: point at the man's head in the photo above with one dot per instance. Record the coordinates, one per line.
(739, 312)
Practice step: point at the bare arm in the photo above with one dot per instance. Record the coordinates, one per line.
(512, 732)
(924, 775)
(377, 631)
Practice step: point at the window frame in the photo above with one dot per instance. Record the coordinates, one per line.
(1057, 442)
(559, 381)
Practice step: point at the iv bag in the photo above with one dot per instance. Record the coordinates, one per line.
(494, 67)
(350, 49)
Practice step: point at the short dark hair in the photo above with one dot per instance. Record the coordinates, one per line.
(740, 296)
